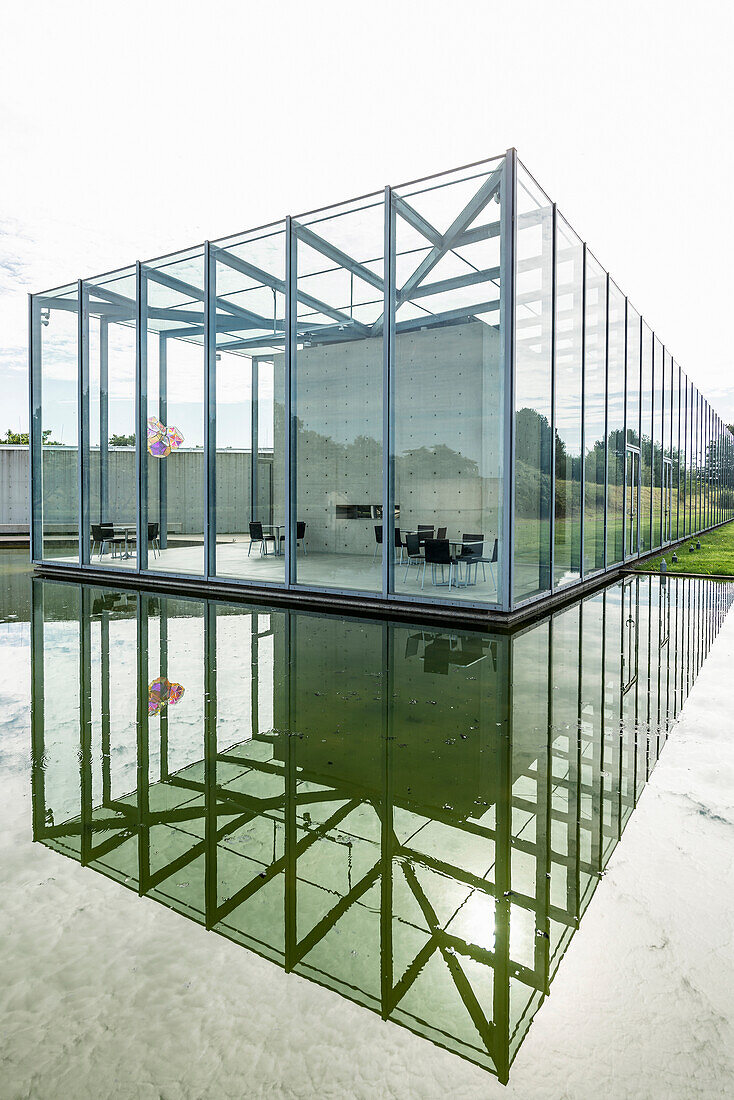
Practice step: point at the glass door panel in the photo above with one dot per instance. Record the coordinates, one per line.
(632, 477)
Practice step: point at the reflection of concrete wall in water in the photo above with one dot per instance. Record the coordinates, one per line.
(185, 474)
(448, 434)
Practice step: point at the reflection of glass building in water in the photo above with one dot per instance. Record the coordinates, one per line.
(445, 359)
(416, 818)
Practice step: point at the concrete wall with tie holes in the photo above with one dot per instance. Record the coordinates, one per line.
(448, 434)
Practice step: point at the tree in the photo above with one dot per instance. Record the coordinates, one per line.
(20, 439)
(122, 440)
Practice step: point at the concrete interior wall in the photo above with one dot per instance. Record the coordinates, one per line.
(448, 434)
(185, 489)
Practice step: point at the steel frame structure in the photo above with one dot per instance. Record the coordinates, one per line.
(683, 429)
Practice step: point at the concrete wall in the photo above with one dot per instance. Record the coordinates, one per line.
(448, 434)
(14, 493)
(185, 489)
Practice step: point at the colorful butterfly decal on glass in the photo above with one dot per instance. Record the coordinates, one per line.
(162, 440)
(161, 693)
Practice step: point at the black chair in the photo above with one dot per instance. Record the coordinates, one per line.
(471, 554)
(154, 530)
(257, 535)
(438, 552)
(413, 550)
(300, 535)
(378, 539)
(399, 545)
(424, 532)
(103, 534)
(441, 533)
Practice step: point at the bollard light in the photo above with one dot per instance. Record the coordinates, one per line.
(675, 556)
(663, 566)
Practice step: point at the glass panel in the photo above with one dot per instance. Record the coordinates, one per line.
(111, 455)
(568, 396)
(595, 335)
(449, 385)
(338, 405)
(675, 452)
(533, 350)
(657, 442)
(615, 426)
(174, 321)
(55, 341)
(667, 469)
(249, 288)
(646, 440)
(632, 489)
(633, 376)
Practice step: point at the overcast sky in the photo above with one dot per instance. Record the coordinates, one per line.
(128, 130)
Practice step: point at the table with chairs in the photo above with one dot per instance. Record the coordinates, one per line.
(454, 563)
(262, 534)
(121, 538)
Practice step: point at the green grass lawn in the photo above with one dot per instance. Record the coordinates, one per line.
(715, 556)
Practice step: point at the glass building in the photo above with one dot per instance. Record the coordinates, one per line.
(433, 394)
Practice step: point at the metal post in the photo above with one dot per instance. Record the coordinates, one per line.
(83, 421)
(254, 438)
(141, 414)
(582, 548)
(507, 323)
(104, 422)
(606, 420)
(291, 259)
(552, 532)
(625, 551)
(163, 417)
(35, 435)
(388, 401)
(210, 414)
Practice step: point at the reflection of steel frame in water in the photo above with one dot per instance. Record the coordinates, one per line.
(600, 734)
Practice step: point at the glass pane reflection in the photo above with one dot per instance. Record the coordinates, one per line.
(414, 817)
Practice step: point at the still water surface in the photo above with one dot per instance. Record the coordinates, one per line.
(415, 818)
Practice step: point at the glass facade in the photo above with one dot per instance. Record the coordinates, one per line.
(433, 394)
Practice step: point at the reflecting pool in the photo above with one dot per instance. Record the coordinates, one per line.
(416, 818)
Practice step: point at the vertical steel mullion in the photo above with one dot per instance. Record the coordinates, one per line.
(83, 420)
(624, 436)
(388, 399)
(508, 230)
(582, 537)
(639, 439)
(104, 422)
(291, 311)
(163, 417)
(210, 414)
(606, 424)
(35, 434)
(254, 436)
(554, 252)
(676, 372)
(141, 413)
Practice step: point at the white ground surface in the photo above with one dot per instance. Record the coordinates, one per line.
(105, 995)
